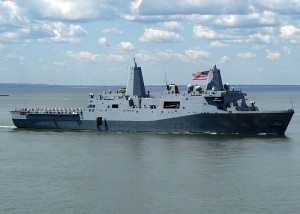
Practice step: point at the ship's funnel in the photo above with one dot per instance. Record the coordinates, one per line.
(135, 83)
(214, 80)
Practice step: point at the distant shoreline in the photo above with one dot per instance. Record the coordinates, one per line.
(3, 85)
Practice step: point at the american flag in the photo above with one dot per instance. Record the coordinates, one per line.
(201, 75)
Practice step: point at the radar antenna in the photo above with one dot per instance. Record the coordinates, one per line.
(166, 78)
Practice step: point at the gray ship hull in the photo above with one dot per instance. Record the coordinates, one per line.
(244, 122)
(213, 108)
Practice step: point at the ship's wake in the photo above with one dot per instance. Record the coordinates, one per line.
(7, 127)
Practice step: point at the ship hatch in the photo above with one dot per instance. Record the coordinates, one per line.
(99, 121)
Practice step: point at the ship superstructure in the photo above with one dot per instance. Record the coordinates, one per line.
(212, 108)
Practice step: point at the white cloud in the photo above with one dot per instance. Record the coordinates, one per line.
(288, 31)
(88, 56)
(116, 57)
(1, 47)
(20, 35)
(267, 39)
(256, 11)
(14, 56)
(204, 32)
(279, 6)
(157, 35)
(126, 46)
(65, 33)
(218, 44)
(103, 41)
(172, 25)
(268, 30)
(9, 36)
(227, 13)
(171, 7)
(224, 59)
(263, 18)
(75, 31)
(114, 30)
(159, 55)
(272, 55)
(169, 54)
(145, 55)
(11, 13)
(196, 53)
(246, 55)
(287, 49)
(56, 32)
(228, 20)
(134, 6)
(230, 13)
(83, 55)
(268, 18)
(59, 63)
(74, 10)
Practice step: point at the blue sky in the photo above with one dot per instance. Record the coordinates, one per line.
(92, 42)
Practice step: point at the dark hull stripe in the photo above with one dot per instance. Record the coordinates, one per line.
(270, 123)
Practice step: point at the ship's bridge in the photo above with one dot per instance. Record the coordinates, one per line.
(172, 89)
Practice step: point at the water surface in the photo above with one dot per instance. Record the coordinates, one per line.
(52, 171)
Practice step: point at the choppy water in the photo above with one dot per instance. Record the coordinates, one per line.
(44, 171)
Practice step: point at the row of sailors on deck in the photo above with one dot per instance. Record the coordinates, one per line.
(51, 110)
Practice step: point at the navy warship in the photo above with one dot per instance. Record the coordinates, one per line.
(212, 108)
